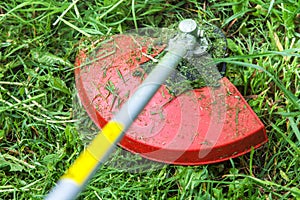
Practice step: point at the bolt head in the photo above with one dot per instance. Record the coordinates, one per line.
(188, 26)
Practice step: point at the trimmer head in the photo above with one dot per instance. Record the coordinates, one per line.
(196, 125)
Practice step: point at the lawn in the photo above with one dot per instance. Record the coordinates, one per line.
(39, 138)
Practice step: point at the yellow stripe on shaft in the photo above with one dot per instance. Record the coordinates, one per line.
(86, 163)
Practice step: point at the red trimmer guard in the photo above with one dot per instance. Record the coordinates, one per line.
(202, 126)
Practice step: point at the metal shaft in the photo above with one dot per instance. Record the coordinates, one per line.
(70, 185)
(148, 88)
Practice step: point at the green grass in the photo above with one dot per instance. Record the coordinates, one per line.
(38, 135)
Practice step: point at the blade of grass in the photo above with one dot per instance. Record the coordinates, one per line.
(237, 15)
(251, 161)
(270, 7)
(65, 12)
(75, 27)
(111, 9)
(288, 114)
(14, 83)
(288, 52)
(133, 14)
(294, 127)
(23, 102)
(9, 157)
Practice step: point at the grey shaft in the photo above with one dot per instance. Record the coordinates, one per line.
(64, 190)
(68, 189)
(136, 103)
